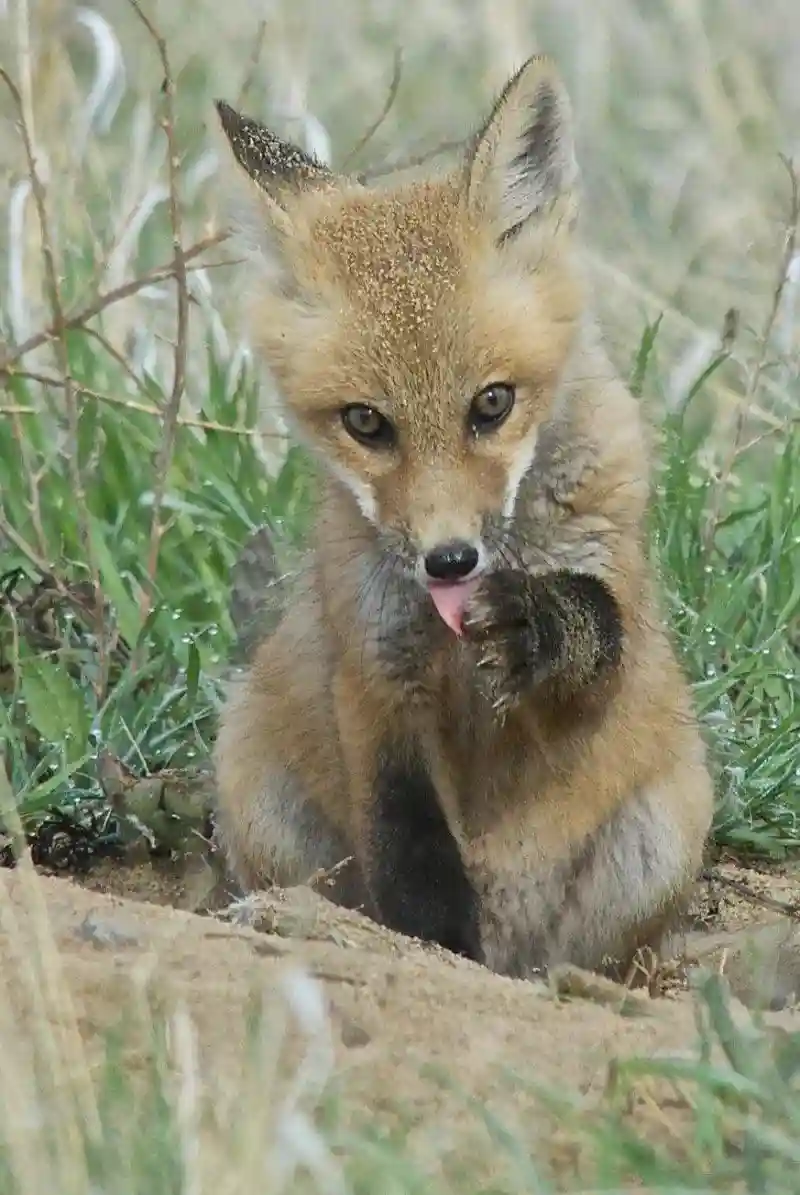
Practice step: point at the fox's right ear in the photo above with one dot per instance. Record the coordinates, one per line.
(523, 176)
(270, 174)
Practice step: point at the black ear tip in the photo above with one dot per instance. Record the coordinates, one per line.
(226, 113)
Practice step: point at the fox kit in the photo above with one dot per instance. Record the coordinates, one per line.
(471, 692)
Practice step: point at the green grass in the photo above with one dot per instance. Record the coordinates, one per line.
(147, 697)
(682, 113)
(730, 563)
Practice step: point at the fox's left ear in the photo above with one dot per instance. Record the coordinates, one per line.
(522, 171)
(269, 178)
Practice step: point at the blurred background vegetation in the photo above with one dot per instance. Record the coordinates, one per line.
(140, 446)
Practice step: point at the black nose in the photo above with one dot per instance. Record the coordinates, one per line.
(451, 562)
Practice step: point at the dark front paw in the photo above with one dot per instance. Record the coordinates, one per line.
(515, 633)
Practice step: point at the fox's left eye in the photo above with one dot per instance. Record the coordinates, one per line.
(367, 425)
(490, 407)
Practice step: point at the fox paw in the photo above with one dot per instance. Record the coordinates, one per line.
(501, 621)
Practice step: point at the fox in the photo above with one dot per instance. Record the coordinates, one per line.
(470, 714)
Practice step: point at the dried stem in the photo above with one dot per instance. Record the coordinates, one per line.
(757, 370)
(129, 404)
(12, 536)
(124, 291)
(117, 356)
(59, 327)
(252, 65)
(413, 161)
(172, 411)
(712, 875)
(388, 104)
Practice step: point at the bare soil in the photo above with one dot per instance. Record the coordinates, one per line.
(397, 1007)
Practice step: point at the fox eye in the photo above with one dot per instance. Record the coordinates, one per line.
(367, 425)
(491, 407)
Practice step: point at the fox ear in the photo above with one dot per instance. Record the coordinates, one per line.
(270, 175)
(277, 167)
(523, 165)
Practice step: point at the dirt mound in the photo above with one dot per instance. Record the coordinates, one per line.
(399, 1011)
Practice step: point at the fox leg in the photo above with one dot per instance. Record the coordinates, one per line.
(595, 902)
(410, 860)
(630, 883)
(269, 831)
(278, 770)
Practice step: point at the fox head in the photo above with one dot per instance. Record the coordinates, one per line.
(418, 332)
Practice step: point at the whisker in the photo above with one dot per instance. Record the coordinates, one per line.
(365, 593)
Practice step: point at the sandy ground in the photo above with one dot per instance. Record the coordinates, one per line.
(396, 1008)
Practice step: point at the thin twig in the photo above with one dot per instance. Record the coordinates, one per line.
(172, 411)
(712, 876)
(326, 875)
(252, 65)
(784, 428)
(59, 326)
(754, 379)
(129, 404)
(108, 298)
(117, 356)
(388, 104)
(12, 536)
(412, 162)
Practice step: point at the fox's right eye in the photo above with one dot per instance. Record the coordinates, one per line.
(367, 425)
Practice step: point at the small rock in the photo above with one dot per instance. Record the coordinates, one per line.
(354, 1035)
(573, 982)
(104, 934)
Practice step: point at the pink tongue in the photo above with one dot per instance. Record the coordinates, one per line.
(451, 600)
